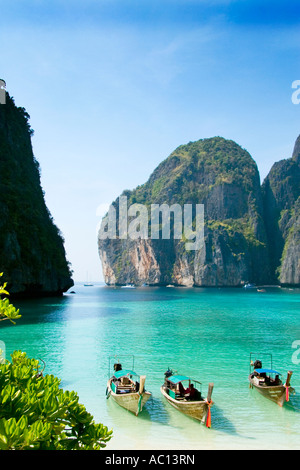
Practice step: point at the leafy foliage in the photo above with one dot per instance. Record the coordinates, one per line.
(7, 310)
(36, 414)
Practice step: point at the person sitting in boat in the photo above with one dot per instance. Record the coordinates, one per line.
(182, 390)
(117, 384)
(190, 392)
(125, 380)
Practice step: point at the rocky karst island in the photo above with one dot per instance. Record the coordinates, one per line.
(251, 231)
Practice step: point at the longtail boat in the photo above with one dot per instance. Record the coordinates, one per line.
(184, 394)
(268, 382)
(127, 389)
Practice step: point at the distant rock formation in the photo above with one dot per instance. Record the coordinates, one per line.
(289, 273)
(221, 175)
(32, 255)
(281, 195)
(296, 152)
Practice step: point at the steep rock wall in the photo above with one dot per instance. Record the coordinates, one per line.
(223, 177)
(32, 254)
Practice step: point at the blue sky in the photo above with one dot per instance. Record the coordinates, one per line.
(113, 87)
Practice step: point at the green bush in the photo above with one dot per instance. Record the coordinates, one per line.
(7, 310)
(36, 414)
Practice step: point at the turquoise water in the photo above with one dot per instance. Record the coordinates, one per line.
(205, 333)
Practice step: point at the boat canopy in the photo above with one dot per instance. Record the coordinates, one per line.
(267, 371)
(175, 379)
(123, 372)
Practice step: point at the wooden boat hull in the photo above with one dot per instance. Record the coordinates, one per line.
(129, 401)
(194, 409)
(276, 393)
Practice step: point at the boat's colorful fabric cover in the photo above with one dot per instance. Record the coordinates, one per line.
(267, 371)
(121, 373)
(175, 379)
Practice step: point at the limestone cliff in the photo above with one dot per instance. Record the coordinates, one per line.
(32, 255)
(281, 195)
(223, 177)
(290, 261)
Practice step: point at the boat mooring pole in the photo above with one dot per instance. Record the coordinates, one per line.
(287, 384)
(288, 379)
(209, 402)
(210, 390)
(142, 384)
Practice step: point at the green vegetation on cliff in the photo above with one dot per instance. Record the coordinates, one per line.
(194, 169)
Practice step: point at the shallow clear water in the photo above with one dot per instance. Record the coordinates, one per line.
(204, 333)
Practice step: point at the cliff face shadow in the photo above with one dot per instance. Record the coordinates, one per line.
(59, 310)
